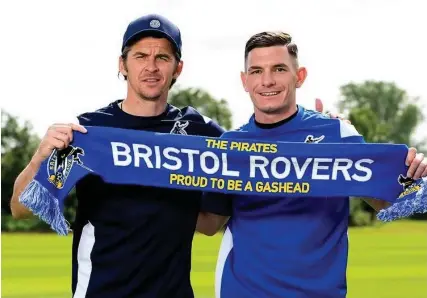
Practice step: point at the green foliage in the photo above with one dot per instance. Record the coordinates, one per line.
(18, 145)
(359, 216)
(27, 225)
(218, 110)
(382, 113)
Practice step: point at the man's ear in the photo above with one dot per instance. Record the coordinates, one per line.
(243, 79)
(178, 69)
(301, 76)
(122, 67)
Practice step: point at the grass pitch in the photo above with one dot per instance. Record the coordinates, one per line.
(385, 261)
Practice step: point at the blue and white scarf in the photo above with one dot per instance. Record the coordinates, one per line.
(241, 166)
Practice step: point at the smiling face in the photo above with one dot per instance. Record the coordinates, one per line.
(271, 77)
(150, 66)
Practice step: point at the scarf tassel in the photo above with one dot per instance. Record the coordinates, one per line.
(43, 204)
(408, 207)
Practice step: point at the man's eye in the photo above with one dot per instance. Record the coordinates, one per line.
(257, 71)
(281, 69)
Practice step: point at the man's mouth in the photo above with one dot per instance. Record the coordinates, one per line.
(151, 80)
(273, 93)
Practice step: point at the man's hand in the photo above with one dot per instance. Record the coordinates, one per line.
(58, 136)
(417, 164)
(319, 108)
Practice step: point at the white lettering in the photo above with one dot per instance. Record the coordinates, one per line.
(274, 167)
(366, 170)
(190, 153)
(116, 153)
(300, 171)
(178, 162)
(145, 155)
(203, 166)
(209, 162)
(158, 157)
(225, 170)
(317, 167)
(343, 168)
(261, 167)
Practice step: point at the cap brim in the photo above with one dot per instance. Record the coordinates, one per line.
(146, 32)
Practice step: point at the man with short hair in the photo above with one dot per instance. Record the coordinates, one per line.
(132, 241)
(282, 246)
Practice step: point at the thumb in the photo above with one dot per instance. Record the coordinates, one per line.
(412, 153)
(319, 105)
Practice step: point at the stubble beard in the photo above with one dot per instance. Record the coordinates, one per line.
(147, 97)
(150, 96)
(275, 110)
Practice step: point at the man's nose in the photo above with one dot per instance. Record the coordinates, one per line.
(268, 79)
(151, 65)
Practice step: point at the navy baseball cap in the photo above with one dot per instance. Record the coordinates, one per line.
(156, 25)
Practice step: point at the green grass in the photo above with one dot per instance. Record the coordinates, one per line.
(387, 261)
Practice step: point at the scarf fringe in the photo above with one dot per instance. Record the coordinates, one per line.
(43, 204)
(406, 208)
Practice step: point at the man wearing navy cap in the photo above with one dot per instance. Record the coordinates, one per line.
(132, 241)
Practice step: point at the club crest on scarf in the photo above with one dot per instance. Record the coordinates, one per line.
(312, 139)
(179, 128)
(408, 184)
(61, 162)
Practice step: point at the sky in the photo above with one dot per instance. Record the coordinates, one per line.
(60, 58)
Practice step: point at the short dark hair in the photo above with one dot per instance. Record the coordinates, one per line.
(270, 39)
(127, 48)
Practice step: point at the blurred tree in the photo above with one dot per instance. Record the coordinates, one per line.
(218, 110)
(18, 145)
(382, 113)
